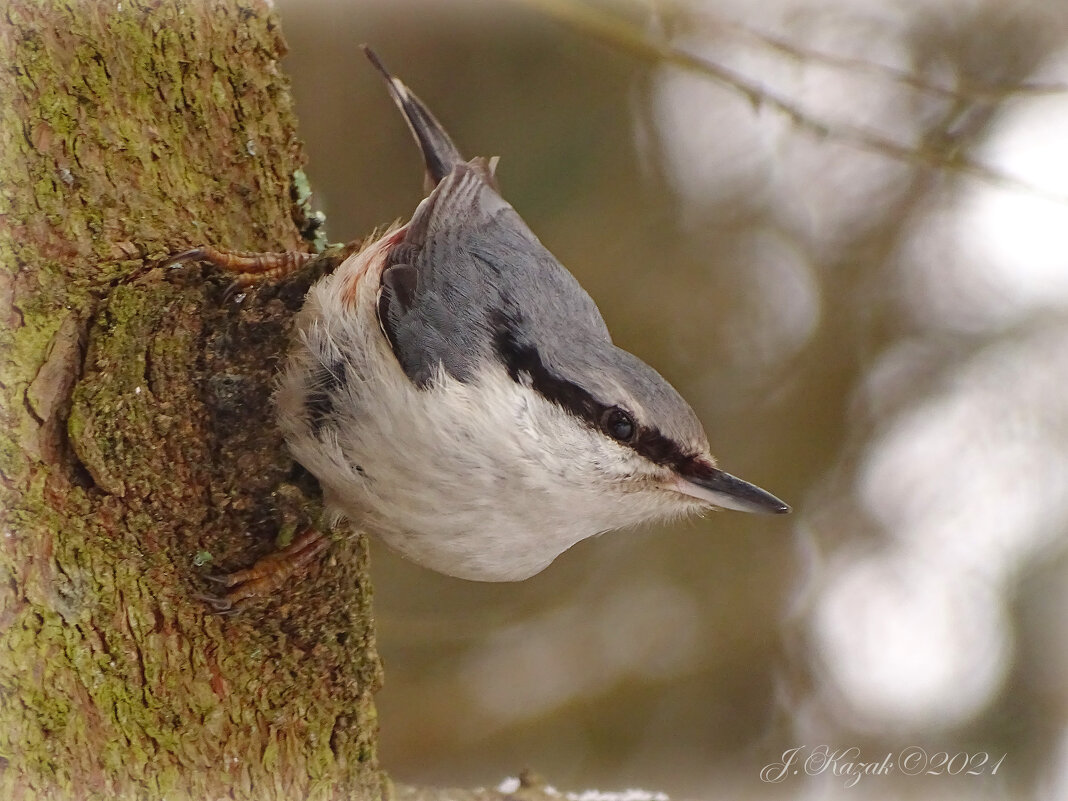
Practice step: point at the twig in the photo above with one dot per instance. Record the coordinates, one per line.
(620, 33)
(984, 94)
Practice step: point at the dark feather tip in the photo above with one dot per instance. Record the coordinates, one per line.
(372, 56)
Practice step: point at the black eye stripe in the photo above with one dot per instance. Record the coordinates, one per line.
(524, 360)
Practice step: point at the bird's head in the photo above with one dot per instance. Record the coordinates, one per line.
(624, 431)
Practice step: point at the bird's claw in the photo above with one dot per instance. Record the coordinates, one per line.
(267, 575)
(250, 267)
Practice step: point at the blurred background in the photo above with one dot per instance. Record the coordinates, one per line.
(866, 301)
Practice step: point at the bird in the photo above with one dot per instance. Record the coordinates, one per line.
(457, 394)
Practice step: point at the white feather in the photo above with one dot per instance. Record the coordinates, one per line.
(481, 480)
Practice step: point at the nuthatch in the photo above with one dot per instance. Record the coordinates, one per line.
(457, 393)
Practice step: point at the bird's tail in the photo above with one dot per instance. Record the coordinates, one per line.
(439, 153)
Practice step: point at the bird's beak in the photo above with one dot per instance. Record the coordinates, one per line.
(728, 492)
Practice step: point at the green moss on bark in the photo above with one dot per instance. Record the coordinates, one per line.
(135, 423)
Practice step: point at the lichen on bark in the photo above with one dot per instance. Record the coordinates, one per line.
(137, 444)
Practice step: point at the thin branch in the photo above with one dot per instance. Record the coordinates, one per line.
(622, 34)
(983, 94)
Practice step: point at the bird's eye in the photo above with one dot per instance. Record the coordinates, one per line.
(618, 424)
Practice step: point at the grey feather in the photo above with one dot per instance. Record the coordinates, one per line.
(476, 264)
(469, 264)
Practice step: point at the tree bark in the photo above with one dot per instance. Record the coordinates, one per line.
(138, 450)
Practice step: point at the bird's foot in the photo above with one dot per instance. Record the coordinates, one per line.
(268, 574)
(250, 267)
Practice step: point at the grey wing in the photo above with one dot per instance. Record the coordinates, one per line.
(470, 271)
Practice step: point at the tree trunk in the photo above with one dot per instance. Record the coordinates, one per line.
(138, 450)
